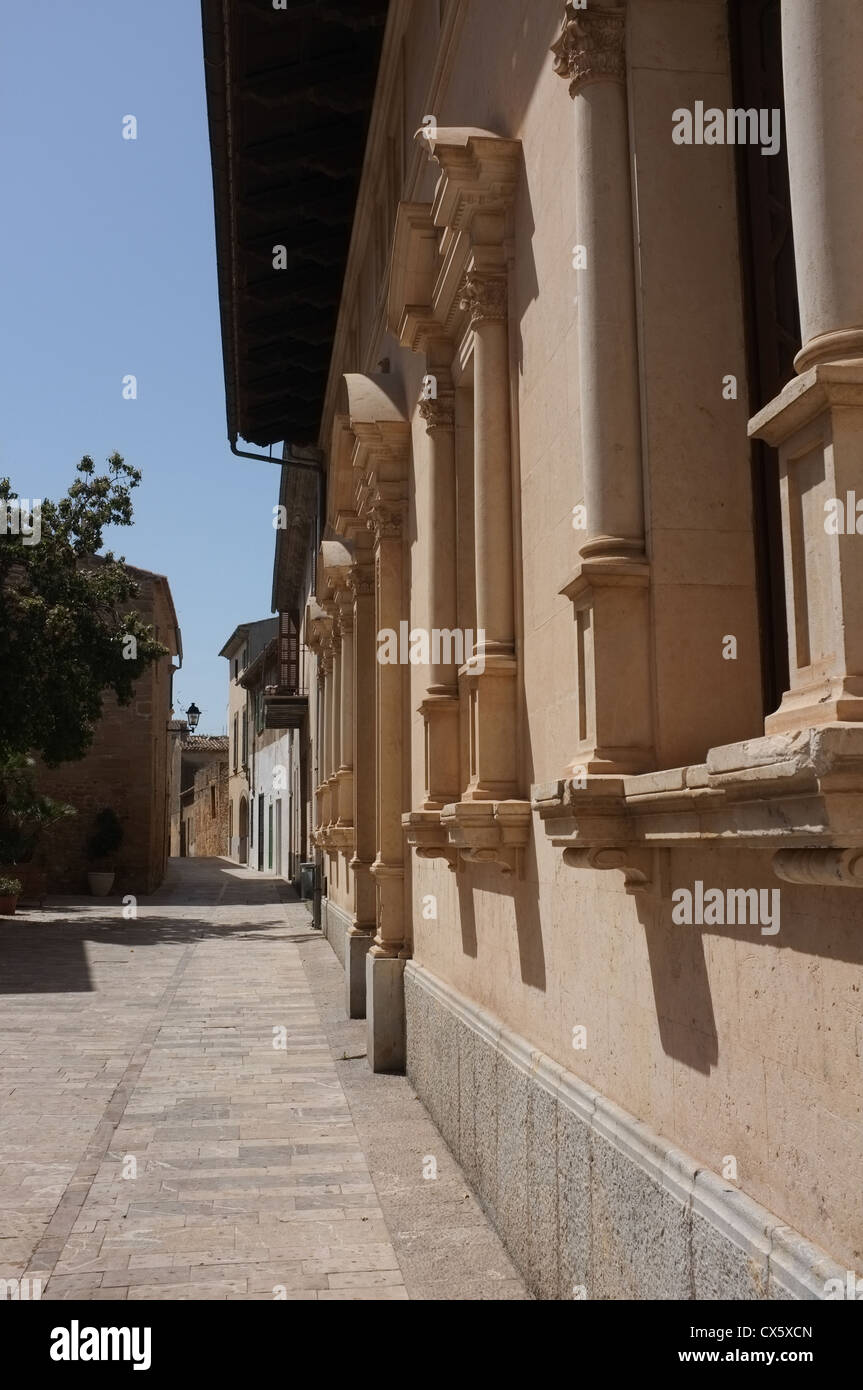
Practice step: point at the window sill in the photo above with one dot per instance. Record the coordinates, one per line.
(798, 795)
(472, 832)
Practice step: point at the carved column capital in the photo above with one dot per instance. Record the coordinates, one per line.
(437, 412)
(483, 296)
(591, 47)
(385, 521)
(361, 581)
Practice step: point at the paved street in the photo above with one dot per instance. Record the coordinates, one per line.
(155, 1144)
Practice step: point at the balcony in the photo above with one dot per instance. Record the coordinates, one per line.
(284, 707)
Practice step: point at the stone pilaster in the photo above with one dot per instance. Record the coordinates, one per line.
(361, 933)
(334, 738)
(491, 669)
(345, 771)
(440, 707)
(386, 520)
(609, 589)
(386, 957)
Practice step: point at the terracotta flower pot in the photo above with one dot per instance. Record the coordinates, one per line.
(8, 906)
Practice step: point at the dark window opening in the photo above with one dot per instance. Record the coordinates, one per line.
(772, 313)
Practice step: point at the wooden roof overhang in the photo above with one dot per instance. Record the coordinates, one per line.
(289, 93)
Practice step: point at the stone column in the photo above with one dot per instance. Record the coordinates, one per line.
(816, 422)
(327, 741)
(335, 719)
(609, 589)
(491, 670)
(386, 957)
(360, 935)
(440, 708)
(345, 771)
(822, 52)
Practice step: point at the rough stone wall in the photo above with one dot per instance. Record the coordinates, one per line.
(211, 810)
(592, 1203)
(126, 769)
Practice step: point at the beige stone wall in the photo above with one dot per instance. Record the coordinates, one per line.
(726, 1041)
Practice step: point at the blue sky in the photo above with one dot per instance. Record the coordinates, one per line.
(107, 267)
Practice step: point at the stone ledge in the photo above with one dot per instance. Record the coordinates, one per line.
(472, 832)
(786, 793)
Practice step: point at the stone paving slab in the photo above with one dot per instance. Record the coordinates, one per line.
(155, 1144)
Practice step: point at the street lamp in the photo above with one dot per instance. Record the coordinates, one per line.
(193, 714)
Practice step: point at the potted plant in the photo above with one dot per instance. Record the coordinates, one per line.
(106, 839)
(10, 888)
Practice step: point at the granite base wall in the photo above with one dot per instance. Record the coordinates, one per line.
(589, 1201)
(335, 924)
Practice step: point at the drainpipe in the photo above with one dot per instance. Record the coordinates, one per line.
(295, 456)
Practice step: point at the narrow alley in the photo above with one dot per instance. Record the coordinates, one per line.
(186, 1113)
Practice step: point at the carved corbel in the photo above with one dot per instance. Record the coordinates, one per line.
(428, 837)
(829, 868)
(640, 867)
(488, 832)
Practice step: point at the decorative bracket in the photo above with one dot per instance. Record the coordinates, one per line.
(489, 832)
(428, 837)
(830, 868)
(639, 866)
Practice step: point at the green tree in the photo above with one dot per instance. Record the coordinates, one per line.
(66, 619)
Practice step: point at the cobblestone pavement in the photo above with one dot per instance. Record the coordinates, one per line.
(155, 1144)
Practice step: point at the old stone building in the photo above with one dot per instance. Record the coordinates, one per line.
(126, 769)
(565, 304)
(211, 804)
(198, 762)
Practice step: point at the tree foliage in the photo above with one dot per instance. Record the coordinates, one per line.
(25, 814)
(66, 617)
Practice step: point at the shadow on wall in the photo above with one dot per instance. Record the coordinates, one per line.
(524, 895)
(821, 924)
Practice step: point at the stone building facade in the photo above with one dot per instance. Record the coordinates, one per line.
(192, 754)
(241, 649)
(587, 741)
(277, 725)
(211, 804)
(127, 768)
